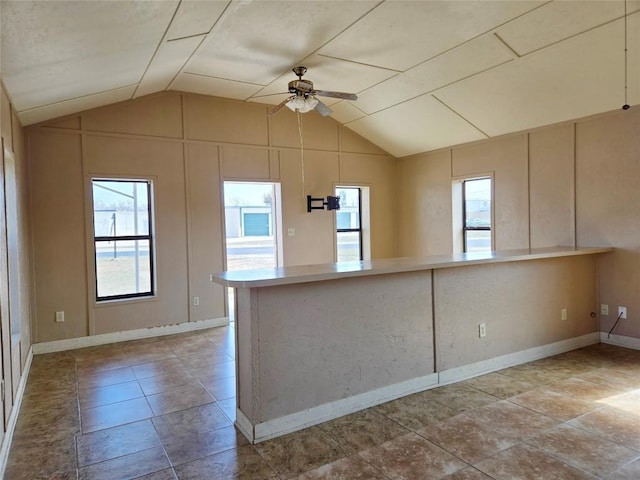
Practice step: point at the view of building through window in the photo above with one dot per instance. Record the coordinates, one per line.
(477, 215)
(249, 216)
(122, 224)
(349, 224)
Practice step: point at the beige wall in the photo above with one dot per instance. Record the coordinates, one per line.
(188, 144)
(425, 205)
(15, 263)
(519, 302)
(608, 209)
(570, 184)
(282, 324)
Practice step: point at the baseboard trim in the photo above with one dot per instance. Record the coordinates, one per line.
(509, 360)
(328, 411)
(15, 412)
(105, 338)
(620, 340)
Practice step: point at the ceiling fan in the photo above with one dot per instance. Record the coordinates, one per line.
(303, 96)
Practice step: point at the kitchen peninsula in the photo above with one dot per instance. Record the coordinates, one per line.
(317, 342)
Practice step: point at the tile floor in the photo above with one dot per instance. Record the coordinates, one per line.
(163, 408)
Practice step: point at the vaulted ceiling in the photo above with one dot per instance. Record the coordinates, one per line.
(428, 74)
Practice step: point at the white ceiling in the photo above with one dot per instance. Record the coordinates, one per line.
(429, 74)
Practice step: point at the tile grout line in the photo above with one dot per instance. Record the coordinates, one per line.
(598, 360)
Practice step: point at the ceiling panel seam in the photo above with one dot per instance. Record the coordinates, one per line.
(462, 117)
(27, 110)
(226, 8)
(432, 91)
(181, 69)
(225, 79)
(354, 105)
(590, 29)
(204, 37)
(314, 52)
(378, 83)
(509, 47)
(359, 63)
(155, 52)
(486, 32)
(186, 37)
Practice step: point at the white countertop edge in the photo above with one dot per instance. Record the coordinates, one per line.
(269, 277)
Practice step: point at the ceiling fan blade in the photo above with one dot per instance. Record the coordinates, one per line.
(322, 109)
(277, 108)
(344, 96)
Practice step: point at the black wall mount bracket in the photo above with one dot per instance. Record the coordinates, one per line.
(332, 203)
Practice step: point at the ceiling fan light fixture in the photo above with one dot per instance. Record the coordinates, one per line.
(302, 104)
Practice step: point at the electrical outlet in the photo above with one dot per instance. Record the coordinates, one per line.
(196, 301)
(563, 314)
(482, 330)
(604, 309)
(59, 317)
(211, 277)
(291, 232)
(622, 312)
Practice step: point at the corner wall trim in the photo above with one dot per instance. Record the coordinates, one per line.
(620, 340)
(243, 424)
(15, 411)
(102, 339)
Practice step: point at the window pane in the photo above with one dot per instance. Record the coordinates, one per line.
(250, 225)
(477, 221)
(123, 267)
(349, 214)
(120, 208)
(478, 241)
(344, 219)
(477, 195)
(348, 246)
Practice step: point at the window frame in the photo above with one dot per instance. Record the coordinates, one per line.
(351, 230)
(466, 228)
(149, 236)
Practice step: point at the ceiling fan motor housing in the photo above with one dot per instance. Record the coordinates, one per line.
(300, 87)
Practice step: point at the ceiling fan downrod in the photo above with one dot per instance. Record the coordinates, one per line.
(300, 71)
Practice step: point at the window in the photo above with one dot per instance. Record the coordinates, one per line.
(349, 224)
(476, 206)
(122, 222)
(252, 225)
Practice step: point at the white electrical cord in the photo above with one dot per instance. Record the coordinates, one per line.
(614, 325)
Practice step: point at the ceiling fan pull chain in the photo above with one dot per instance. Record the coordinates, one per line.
(301, 149)
(626, 75)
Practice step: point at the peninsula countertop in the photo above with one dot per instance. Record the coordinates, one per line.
(267, 277)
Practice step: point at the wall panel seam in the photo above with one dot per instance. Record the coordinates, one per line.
(529, 186)
(575, 183)
(91, 327)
